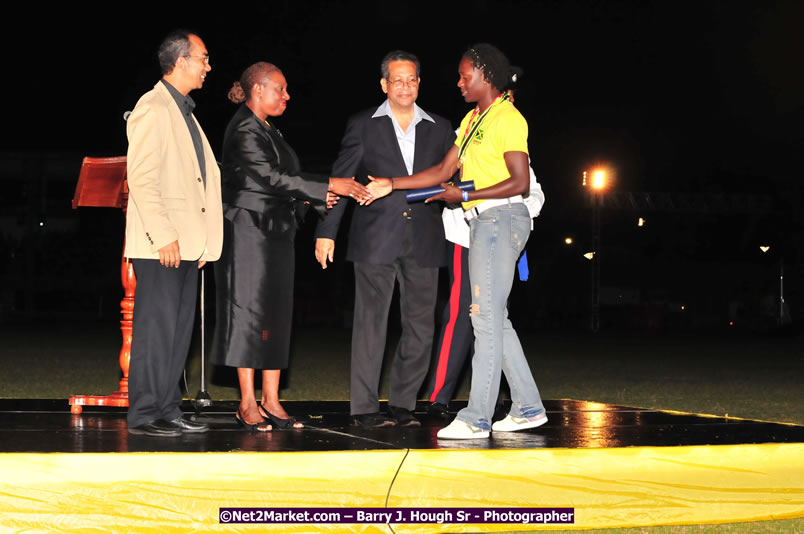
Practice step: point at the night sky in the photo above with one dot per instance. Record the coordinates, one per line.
(677, 96)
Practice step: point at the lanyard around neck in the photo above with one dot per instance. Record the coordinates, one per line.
(472, 127)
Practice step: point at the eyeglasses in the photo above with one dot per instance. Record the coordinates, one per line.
(399, 83)
(205, 59)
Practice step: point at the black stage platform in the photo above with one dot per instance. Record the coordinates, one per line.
(613, 466)
(36, 425)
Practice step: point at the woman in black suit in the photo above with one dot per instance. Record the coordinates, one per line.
(264, 191)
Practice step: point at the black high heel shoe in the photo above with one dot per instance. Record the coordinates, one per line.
(278, 422)
(251, 427)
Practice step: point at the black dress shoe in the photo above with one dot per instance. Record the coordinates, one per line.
(372, 420)
(439, 410)
(158, 429)
(188, 427)
(403, 416)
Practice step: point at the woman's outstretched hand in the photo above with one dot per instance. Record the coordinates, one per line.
(347, 187)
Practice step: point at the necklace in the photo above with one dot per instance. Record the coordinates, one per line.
(274, 128)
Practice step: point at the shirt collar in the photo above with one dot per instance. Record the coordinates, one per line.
(418, 113)
(185, 102)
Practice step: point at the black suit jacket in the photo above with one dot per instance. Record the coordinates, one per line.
(369, 146)
(261, 173)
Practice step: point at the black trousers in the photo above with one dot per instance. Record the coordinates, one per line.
(456, 341)
(374, 289)
(164, 313)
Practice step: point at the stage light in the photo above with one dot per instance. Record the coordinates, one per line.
(589, 255)
(568, 240)
(641, 222)
(764, 248)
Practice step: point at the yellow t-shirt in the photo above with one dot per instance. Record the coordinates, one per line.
(504, 130)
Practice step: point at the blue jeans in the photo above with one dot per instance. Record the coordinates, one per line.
(498, 236)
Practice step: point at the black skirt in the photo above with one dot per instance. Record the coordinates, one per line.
(254, 293)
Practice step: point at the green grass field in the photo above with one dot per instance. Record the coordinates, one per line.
(742, 376)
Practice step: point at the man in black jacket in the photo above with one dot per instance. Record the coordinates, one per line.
(390, 240)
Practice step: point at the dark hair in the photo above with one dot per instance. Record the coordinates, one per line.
(495, 66)
(398, 55)
(255, 74)
(175, 45)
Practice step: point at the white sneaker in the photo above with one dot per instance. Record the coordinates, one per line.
(460, 430)
(512, 424)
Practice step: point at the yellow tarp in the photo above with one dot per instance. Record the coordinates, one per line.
(182, 492)
(625, 487)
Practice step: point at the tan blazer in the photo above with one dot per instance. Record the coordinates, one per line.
(167, 198)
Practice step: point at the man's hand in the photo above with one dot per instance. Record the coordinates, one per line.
(379, 187)
(169, 255)
(324, 250)
(332, 199)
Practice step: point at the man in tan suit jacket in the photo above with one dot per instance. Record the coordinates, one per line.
(174, 225)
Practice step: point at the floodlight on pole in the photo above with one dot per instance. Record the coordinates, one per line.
(599, 180)
(597, 187)
(596, 181)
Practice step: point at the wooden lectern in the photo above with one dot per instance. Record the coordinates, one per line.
(102, 183)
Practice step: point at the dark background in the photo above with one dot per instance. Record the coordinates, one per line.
(691, 98)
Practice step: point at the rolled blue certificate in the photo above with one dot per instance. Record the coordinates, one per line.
(416, 195)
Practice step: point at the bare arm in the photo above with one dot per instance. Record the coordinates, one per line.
(380, 187)
(516, 184)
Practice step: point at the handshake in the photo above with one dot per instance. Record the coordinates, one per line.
(363, 195)
(380, 187)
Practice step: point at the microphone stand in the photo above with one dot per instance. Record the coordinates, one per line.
(202, 400)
